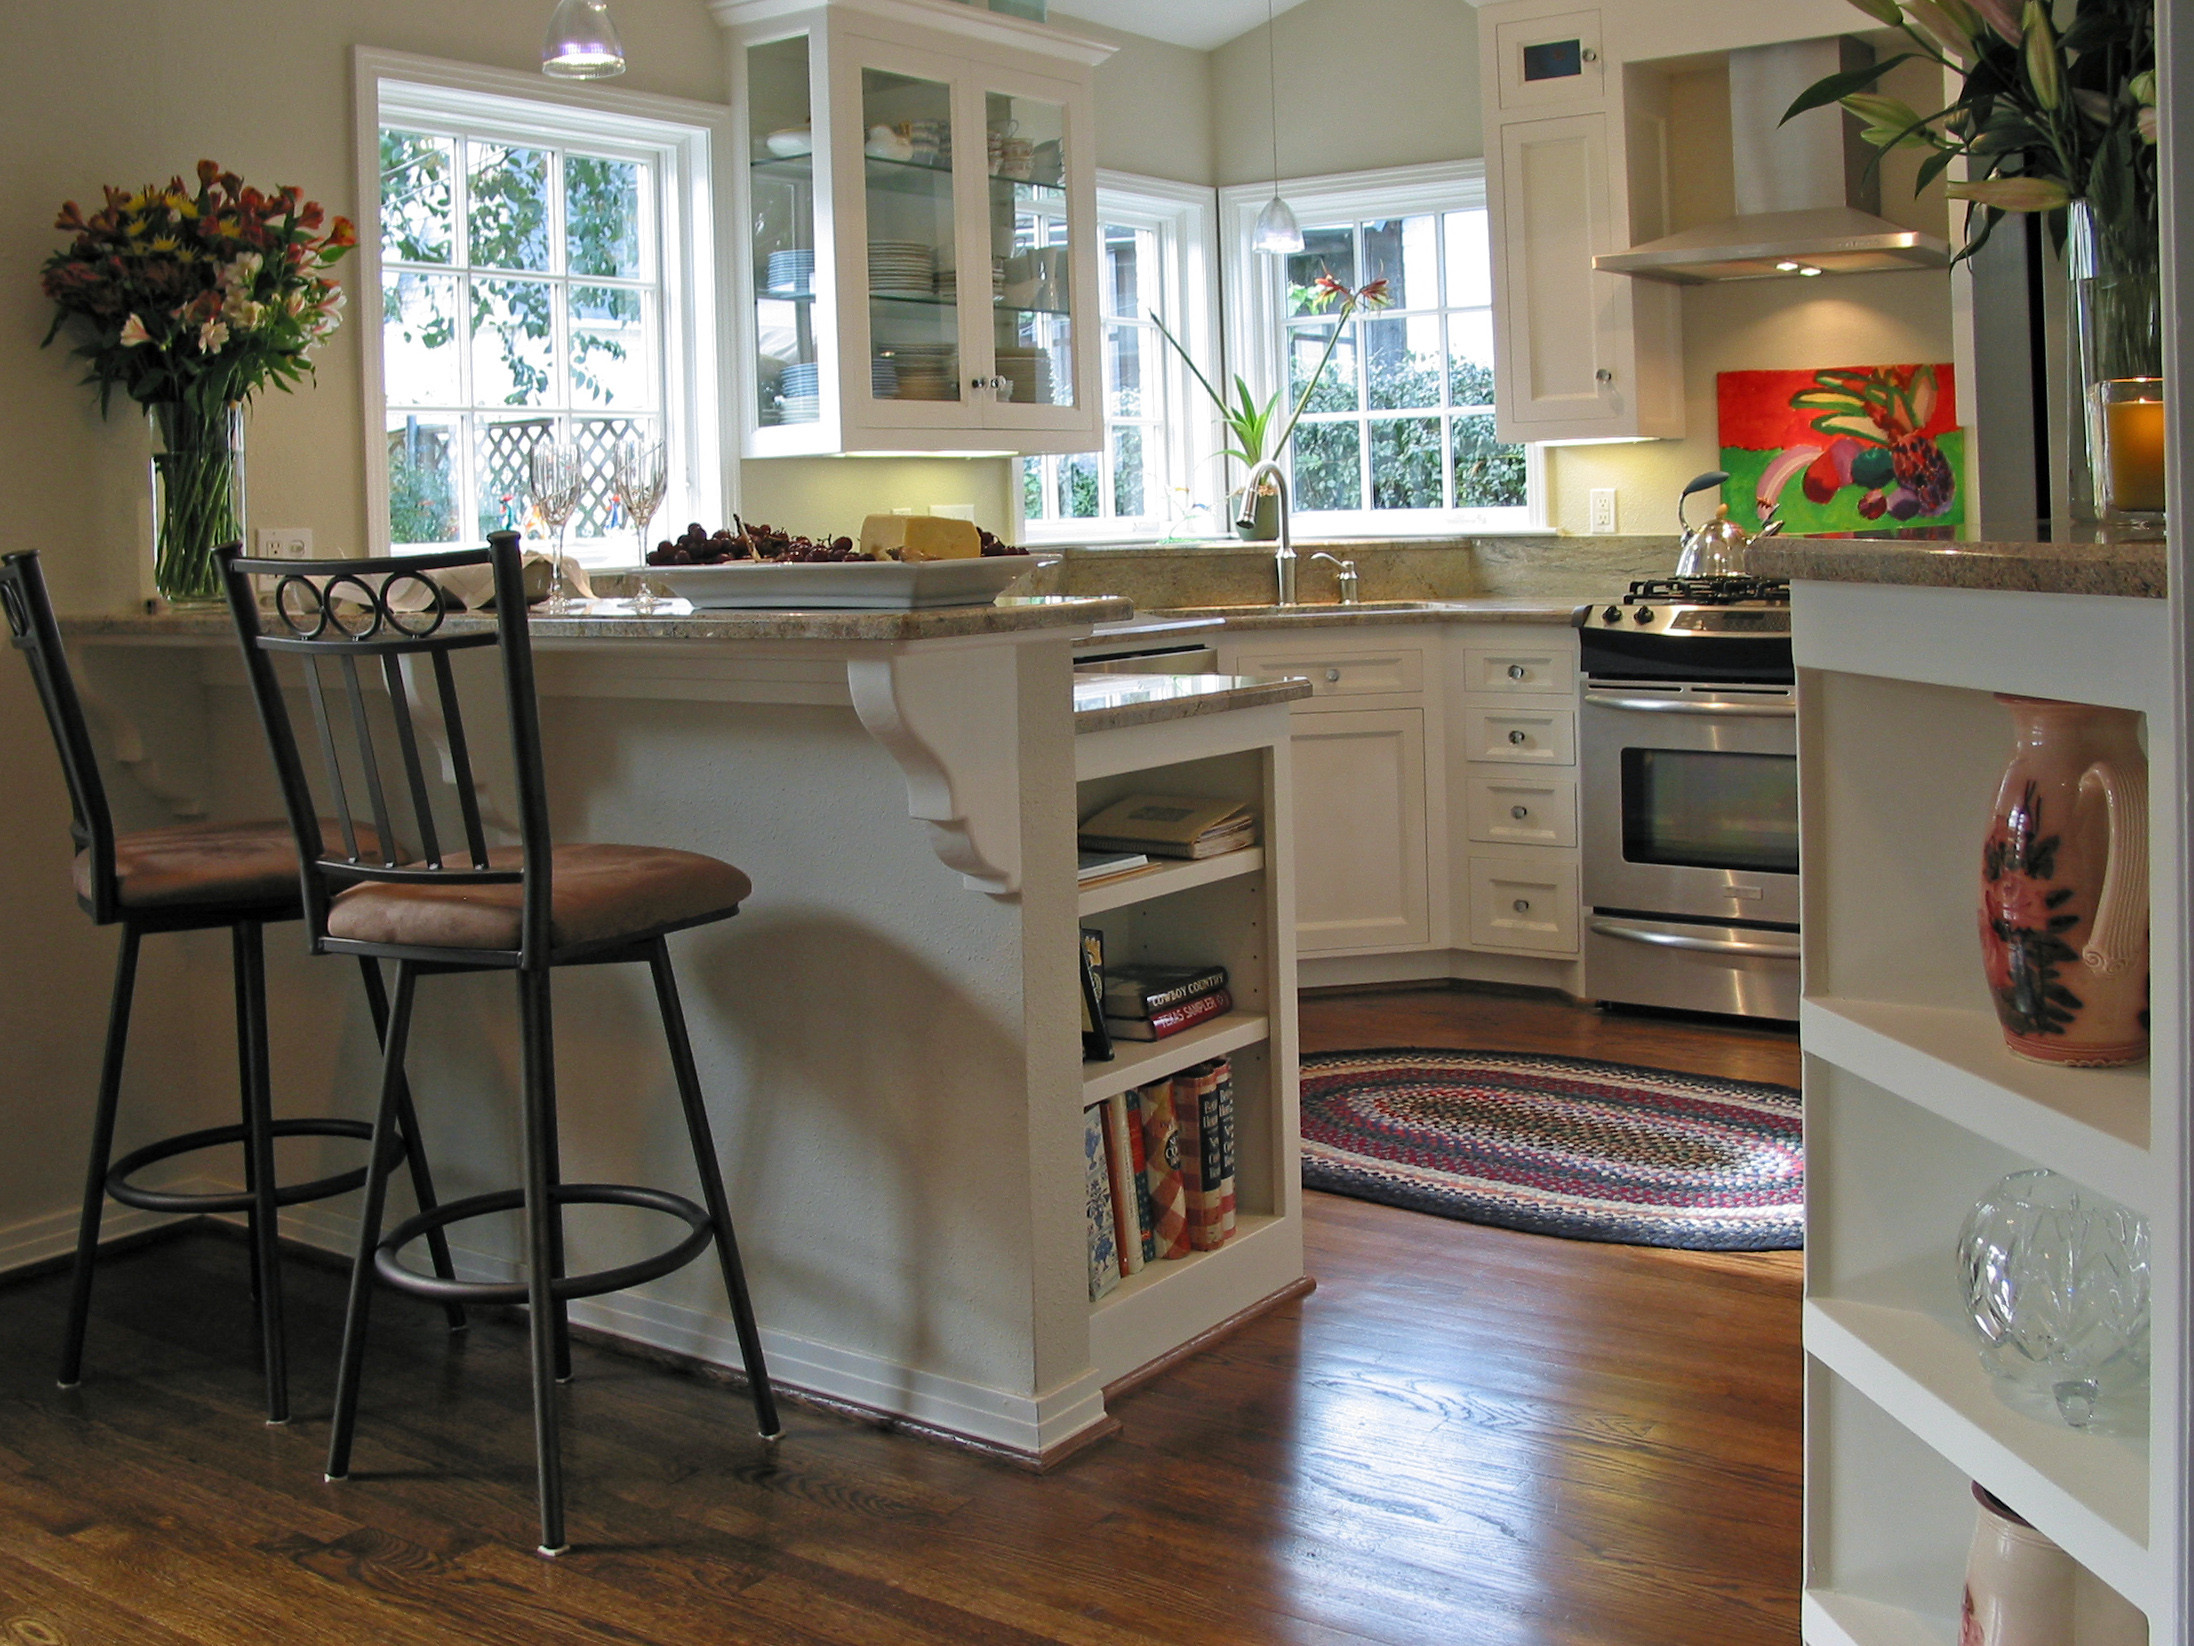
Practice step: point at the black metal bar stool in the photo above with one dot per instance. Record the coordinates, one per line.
(191, 877)
(525, 909)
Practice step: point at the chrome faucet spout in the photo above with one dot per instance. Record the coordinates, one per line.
(1283, 557)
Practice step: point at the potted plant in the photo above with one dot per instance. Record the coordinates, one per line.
(190, 301)
(2061, 124)
(1250, 423)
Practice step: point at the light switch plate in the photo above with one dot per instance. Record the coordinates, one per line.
(1603, 509)
(282, 542)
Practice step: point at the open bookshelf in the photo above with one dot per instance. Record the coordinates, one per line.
(1914, 1109)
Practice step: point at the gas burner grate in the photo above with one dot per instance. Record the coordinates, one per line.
(1710, 591)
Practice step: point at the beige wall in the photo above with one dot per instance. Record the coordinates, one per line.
(1363, 84)
(1154, 107)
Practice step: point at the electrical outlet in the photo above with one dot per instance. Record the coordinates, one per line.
(1603, 509)
(282, 542)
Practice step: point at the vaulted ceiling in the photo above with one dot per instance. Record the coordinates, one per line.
(1203, 24)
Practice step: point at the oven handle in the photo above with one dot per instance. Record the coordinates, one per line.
(1678, 705)
(1710, 945)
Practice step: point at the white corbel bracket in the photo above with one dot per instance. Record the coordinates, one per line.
(950, 717)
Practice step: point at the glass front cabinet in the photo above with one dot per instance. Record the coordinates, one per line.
(920, 197)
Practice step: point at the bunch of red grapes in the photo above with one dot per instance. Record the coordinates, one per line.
(697, 546)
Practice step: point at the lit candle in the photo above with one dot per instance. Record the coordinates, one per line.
(2133, 447)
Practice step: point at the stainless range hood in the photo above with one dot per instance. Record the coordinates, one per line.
(1805, 192)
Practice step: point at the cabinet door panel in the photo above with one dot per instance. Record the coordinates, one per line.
(1347, 674)
(1360, 866)
(1554, 211)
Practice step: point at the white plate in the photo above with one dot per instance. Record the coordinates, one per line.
(789, 141)
(847, 585)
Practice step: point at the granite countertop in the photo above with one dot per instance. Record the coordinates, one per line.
(2135, 569)
(1374, 613)
(1106, 702)
(677, 622)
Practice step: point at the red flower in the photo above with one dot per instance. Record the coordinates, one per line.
(2021, 902)
(344, 235)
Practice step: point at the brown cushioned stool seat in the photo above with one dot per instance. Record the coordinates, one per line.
(192, 863)
(598, 894)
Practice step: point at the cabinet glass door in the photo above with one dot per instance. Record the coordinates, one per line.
(913, 273)
(781, 134)
(1031, 251)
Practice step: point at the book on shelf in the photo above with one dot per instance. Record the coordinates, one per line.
(1104, 1244)
(1203, 1107)
(1096, 866)
(1139, 1175)
(1120, 1165)
(1162, 1171)
(1173, 1019)
(1144, 991)
(1171, 826)
(1096, 1039)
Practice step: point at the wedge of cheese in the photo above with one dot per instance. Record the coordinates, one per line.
(920, 537)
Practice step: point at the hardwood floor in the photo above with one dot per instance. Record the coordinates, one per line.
(1463, 1436)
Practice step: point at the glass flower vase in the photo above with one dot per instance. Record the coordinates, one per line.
(197, 496)
(2115, 265)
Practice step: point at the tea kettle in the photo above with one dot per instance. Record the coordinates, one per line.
(1716, 549)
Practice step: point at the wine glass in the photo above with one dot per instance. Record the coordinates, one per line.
(558, 479)
(642, 470)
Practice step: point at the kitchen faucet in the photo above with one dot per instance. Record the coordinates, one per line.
(1283, 557)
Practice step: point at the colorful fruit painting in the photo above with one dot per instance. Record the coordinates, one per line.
(1871, 449)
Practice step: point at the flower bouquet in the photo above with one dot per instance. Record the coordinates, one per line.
(190, 303)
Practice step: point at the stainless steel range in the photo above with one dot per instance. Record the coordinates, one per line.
(1689, 760)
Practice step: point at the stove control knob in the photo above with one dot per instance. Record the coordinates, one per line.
(1644, 614)
(1614, 614)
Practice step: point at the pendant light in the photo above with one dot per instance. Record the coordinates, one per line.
(582, 42)
(1277, 232)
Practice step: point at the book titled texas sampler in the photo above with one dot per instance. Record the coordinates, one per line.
(1152, 1002)
(1164, 825)
(1165, 1155)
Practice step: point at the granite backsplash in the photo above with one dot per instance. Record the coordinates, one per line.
(1463, 568)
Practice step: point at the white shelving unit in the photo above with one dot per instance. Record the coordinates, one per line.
(1237, 910)
(1915, 1108)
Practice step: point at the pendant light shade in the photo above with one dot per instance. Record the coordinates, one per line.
(582, 42)
(1277, 231)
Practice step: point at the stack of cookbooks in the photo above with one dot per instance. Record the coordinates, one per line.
(1158, 1168)
(1152, 1002)
(1163, 825)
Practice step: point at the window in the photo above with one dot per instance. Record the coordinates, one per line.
(542, 271)
(1397, 434)
(1156, 466)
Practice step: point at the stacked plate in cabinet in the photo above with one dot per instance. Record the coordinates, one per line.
(1029, 371)
(791, 273)
(948, 283)
(800, 391)
(902, 268)
(921, 371)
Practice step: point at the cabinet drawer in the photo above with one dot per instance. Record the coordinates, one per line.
(1529, 737)
(1341, 674)
(1523, 903)
(1529, 668)
(1522, 811)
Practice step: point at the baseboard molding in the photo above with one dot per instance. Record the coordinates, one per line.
(38, 1245)
(1032, 1431)
(1416, 966)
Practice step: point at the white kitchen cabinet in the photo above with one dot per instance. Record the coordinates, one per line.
(1522, 810)
(1361, 880)
(918, 200)
(1524, 903)
(1525, 734)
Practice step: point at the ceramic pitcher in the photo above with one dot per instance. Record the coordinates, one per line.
(2018, 1584)
(2064, 886)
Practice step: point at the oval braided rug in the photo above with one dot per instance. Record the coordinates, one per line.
(1560, 1145)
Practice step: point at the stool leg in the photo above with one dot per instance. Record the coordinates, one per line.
(543, 1215)
(415, 1148)
(381, 1162)
(102, 1151)
(240, 998)
(249, 940)
(712, 1187)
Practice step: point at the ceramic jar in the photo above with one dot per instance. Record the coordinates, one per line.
(2018, 1584)
(2064, 886)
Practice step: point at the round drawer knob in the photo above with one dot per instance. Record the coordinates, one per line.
(1523, 905)
(1516, 737)
(1519, 812)
(1516, 671)
(1333, 674)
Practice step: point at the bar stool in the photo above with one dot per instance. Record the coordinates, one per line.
(525, 909)
(191, 877)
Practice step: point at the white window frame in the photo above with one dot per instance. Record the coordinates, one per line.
(1256, 324)
(686, 141)
(1184, 467)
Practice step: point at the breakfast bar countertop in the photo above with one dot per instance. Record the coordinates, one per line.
(2136, 569)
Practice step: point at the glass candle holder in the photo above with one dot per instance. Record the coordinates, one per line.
(2129, 437)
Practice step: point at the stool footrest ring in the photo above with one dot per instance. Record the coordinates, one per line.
(699, 1233)
(160, 1200)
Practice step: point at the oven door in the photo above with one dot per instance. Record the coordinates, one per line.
(1690, 801)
